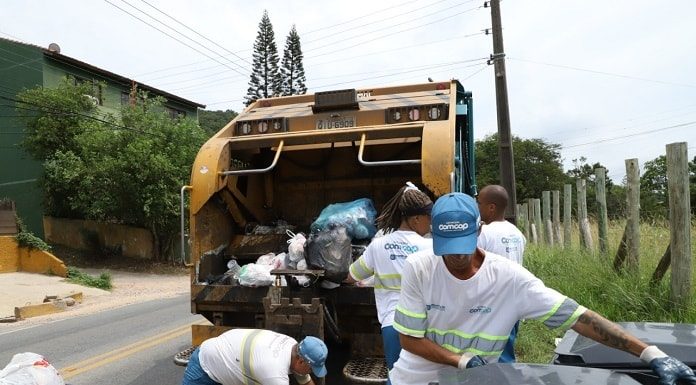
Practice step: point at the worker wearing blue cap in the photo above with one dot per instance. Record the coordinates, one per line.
(459, 303)
(256, 357)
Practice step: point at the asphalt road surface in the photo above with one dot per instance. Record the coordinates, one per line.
(128, 345)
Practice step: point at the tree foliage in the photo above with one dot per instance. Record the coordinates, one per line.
(615, 195)
(654, 190)
(265, 80)
(56, 116)
(537, 165)
(124, 169)
(213, 121)
(292, 69)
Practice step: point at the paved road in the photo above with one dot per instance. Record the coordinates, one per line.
(129, 345)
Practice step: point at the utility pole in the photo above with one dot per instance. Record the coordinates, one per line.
(507, 163)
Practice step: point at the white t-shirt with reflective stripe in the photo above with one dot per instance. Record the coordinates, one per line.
(473, 315)
(384, 258)
(247, 356)
(503, 238)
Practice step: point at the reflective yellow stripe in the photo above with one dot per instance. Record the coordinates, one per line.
(248, 343)
(410, 313)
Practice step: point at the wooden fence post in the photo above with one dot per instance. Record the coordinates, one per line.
(524, 210)
(546, 203)
(583, 222)
(556, 217)
(532, 225)
(680, 222)
(567, 215)
(537, 218)
(602, 220)
(633, 212)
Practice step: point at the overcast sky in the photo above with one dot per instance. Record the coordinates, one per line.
(608, 80)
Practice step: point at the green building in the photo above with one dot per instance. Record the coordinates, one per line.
(24, 66)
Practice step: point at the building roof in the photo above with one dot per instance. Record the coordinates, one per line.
(56, 55)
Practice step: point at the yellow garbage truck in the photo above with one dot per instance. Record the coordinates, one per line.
(279, 163)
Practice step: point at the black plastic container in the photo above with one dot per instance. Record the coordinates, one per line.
(677, 340)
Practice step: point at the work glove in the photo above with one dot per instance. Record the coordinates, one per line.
(468, 361)
(669, 369)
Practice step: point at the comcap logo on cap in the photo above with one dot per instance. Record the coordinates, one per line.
(455, 219)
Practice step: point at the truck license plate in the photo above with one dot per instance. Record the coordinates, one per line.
(341, 122)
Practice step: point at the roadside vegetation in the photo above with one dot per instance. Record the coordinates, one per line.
(26, 238)
(590, 279)
(124, 168)
(84, 279)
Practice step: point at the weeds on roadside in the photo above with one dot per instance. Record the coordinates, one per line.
(84, 279)
(589, 278)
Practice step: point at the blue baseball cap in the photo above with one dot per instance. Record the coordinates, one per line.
(314, 351)
(455, 222)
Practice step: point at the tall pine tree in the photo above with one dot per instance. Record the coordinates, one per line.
(265, 78)
(292, 68)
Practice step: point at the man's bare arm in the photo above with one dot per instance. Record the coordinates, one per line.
(600, 329)
(429, 350)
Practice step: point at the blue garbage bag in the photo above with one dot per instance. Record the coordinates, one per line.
(358, 217)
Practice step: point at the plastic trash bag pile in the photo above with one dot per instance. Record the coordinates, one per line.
(30, 369)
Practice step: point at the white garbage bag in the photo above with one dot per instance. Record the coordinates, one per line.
(29, 369)
(255, 275)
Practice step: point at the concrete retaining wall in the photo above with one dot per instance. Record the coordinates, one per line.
(15, 258)
(98, 236)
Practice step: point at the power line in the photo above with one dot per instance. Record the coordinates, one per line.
(424, 68)
(410, 70)
(604, 73)
(54, 111)
(650, 114)
(410, 46)
(361, 16)
(632, 135)
(48, 64)
(185, 36)
(194, 31)
(17, 64)
(373, 38)
(377, 37)
(382, 21)
(176, 39)
(333, 25)
(225, 101)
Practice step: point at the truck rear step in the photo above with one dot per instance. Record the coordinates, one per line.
(366, 370)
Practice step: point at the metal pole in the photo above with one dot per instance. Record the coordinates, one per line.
(507, 164)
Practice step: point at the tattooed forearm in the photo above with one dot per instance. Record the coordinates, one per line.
(602, 330)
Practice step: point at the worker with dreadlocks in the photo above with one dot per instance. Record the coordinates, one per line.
(404, 220)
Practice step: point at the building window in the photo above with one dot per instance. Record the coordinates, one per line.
(125, 98)
(175, 113)
(95, 94)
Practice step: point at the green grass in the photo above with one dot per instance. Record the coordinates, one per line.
(589, 278)
(80, 278)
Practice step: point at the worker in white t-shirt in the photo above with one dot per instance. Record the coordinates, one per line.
(255, 357)
(459, 302)
(497, 234)
(500, 237)
(404, 220)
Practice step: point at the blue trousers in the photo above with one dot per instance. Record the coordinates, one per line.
(194, 374)
(508, 355)
(392, 346)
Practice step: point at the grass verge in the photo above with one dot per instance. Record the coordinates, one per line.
(80, 278)
(588, 277)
